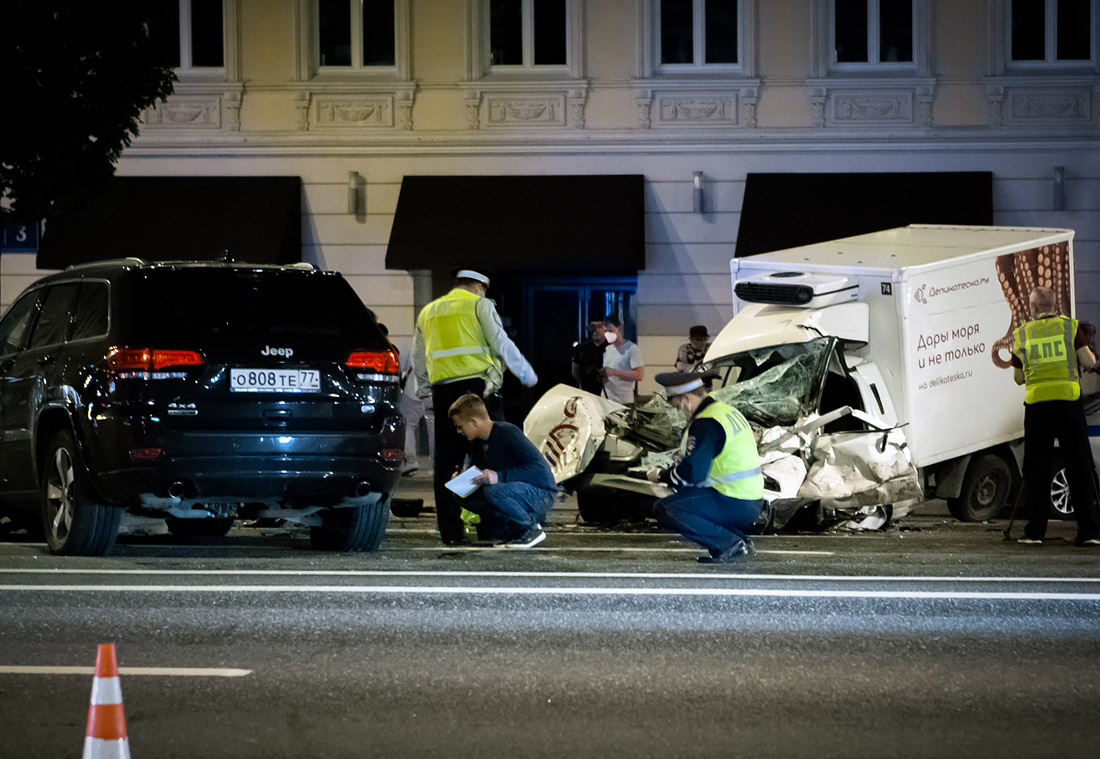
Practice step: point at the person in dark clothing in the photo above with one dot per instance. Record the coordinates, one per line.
(517, 487)
(588, 359)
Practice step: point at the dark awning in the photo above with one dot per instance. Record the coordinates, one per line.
(787, 210)
(257, 219)
(520, 223)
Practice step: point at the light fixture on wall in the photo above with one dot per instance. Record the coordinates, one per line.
(697, 192)
(353, 193)
(1059, 188)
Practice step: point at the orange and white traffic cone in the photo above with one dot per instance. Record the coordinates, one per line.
(105, 737)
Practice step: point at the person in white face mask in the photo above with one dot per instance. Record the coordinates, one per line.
(623, 367)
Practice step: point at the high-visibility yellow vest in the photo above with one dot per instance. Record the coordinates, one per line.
(454, 343)
(735, 471)
(1045, 347)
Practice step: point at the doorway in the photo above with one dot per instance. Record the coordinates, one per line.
(546, 316)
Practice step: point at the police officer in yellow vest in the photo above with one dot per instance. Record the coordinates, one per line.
(460, 347)
(1048, 354)
(719, 487)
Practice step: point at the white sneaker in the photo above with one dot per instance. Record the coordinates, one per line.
(531, 538)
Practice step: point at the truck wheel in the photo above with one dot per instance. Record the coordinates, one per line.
(210, 527)
(351, 528)
(984, 489)
(75, 521)
(1061, 507)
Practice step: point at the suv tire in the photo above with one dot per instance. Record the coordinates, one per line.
(75, 521)
(351, 528)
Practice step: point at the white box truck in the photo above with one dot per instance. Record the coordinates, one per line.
(881, 362)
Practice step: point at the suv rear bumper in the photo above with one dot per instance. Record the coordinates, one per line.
(262, 467)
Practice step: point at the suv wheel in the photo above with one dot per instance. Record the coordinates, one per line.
(76, 523)
(351, 528)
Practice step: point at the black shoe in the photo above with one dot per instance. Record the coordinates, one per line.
(730, 555)
(1081, 541)
(454, 540)
(529, 539)
(1030, 541)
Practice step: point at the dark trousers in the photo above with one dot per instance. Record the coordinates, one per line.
(1063, 421)
(451, 449)
(706, 517)
(508, 509)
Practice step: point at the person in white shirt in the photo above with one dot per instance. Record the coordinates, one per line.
(623, 367)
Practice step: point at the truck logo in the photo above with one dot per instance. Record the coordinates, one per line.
(269, 351)
(919, 296)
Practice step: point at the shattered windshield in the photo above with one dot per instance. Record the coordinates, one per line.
(774, 386)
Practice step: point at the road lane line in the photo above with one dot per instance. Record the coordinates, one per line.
(504, 573)
(128, 671)
(579, 591)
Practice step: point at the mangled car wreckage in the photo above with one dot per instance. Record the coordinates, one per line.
(874, 372)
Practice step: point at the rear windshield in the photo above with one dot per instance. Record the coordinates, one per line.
(182, 304)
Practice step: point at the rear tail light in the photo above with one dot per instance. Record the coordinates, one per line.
(381, 366)
(130, 362)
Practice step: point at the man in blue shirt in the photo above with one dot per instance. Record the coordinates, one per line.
(517, 487)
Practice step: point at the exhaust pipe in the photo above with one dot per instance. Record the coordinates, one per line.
(362, 489)
(176, 490)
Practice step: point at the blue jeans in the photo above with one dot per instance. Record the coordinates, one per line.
(509, 509)
(706, 517)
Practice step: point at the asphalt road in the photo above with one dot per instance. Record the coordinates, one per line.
(933, 640)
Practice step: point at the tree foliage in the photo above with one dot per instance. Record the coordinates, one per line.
(76, 75)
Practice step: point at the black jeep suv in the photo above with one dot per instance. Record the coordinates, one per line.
(198, 393)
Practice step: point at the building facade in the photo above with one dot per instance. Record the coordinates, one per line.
(693, 96)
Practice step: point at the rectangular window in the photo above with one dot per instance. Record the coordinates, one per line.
(356, 34)
(187, 34)
(207, 35)
(90, 311)
(873, 31)
(1051, 31)
(698, 32)
(526, 33)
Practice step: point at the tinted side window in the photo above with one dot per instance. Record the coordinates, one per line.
(90, 311)
(53, 322)
(15, 322)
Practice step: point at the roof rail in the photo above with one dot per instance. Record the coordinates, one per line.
(131, 260)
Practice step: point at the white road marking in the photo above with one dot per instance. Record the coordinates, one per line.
(502, 573)
(568, 591)
(128, 671)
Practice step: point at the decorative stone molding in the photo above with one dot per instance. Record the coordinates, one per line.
(1057, 102)
(517, 110)
(525, 105)
(872, 103)
(196, 108)
(687, 104)
(346, 107)
(343, 112)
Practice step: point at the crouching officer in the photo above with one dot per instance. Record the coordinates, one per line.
(719, 488)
